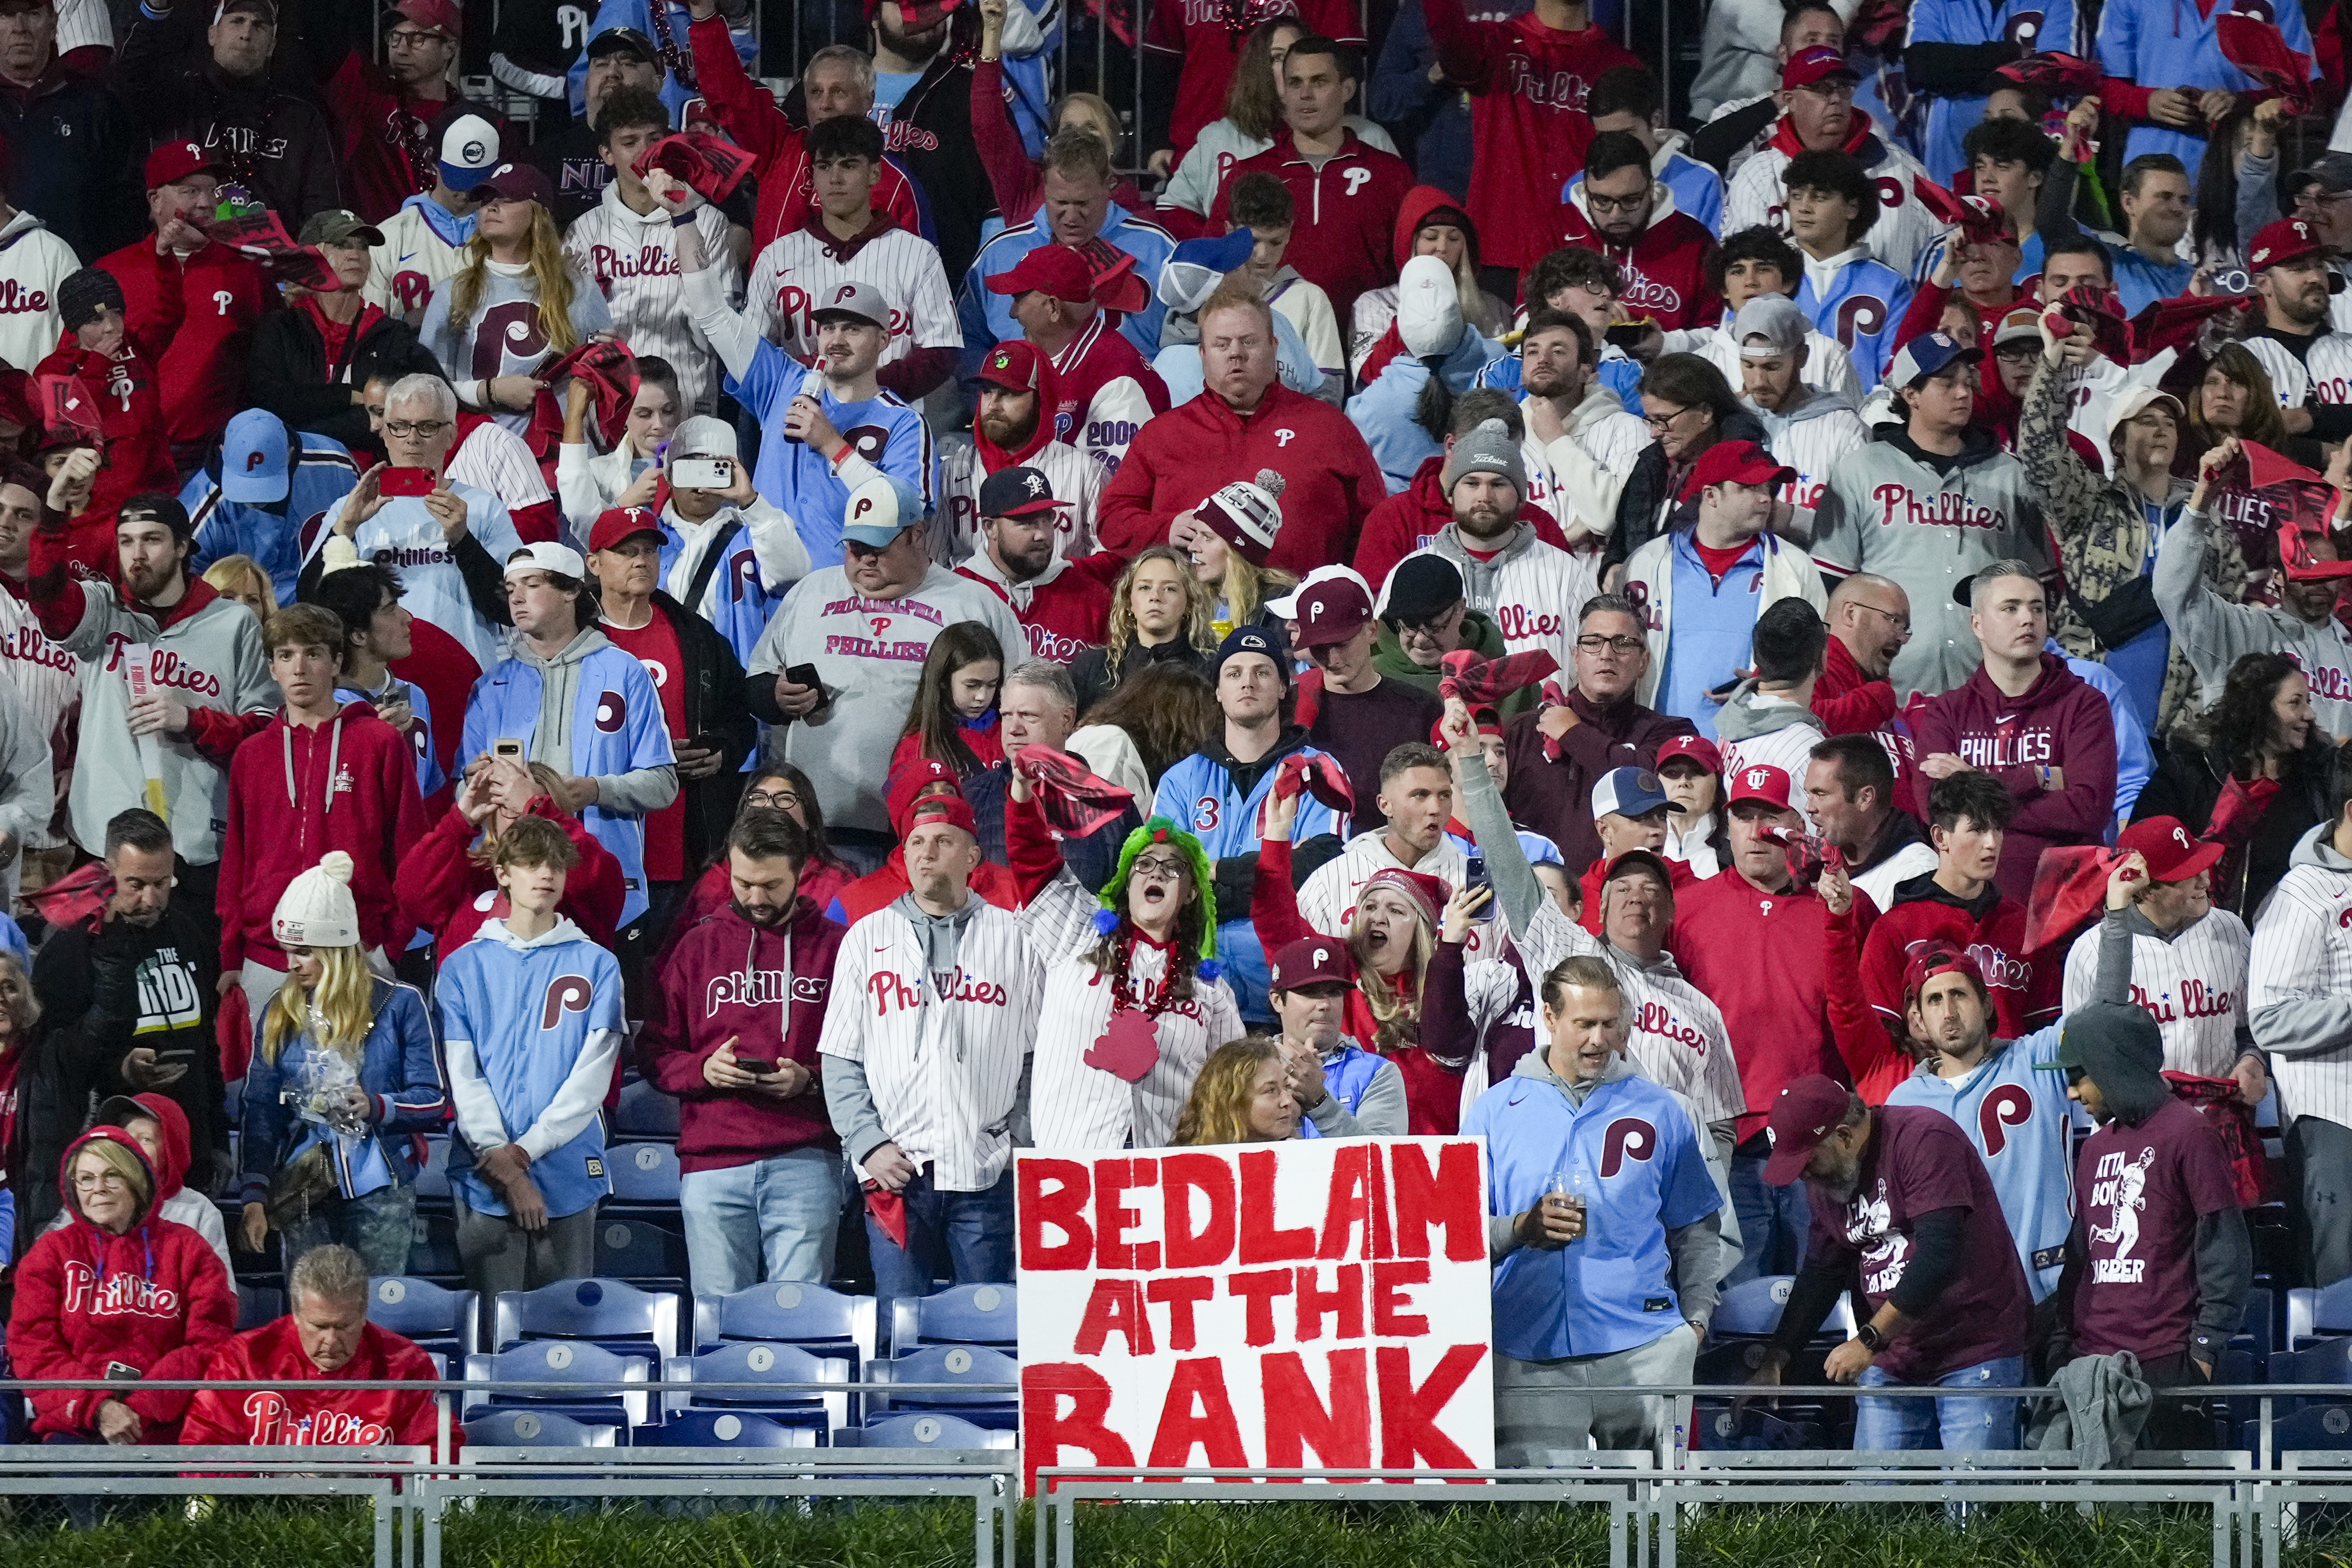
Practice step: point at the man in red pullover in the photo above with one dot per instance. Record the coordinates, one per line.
(1621, 210)
(1346, 195)
(733, 1036)
(325, 775)
(222, 293)
(2039, 729)
(1526, 79)
(1244, 420)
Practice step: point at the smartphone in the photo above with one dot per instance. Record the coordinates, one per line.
(753, 1065)
(1475, 877)
(406, 482)
(509, 748)
(703, 473)
(805, 675)
(1629, 334)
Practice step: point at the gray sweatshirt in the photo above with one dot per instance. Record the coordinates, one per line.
(635, 793)
(2217, 633)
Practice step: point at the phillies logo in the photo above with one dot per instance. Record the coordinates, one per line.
(15, 299)
(166, 668)
(1556, 90)
(1859, 317)
(254, 459)
(274, 1423)
(565, 994)
(612, 712)
(1944, 509)
(743, 578)
(1628, 1138)
(2022, 29)
(120, 1293)
(2006, 1107)
(1356, 179)
(413, 289)
(1519, 625)
(1657, 1020)
(1046, 642)
(1999, 968)
(1645, 293)
(1284, 437)
(869, 442)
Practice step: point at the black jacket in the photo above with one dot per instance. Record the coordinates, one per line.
(1090, 671)
(2187, 785)
(275, 144)
(714, 713)
(1641, 505)
(75, 158)
(286, 372)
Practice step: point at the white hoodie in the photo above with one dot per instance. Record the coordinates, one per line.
(32, 262)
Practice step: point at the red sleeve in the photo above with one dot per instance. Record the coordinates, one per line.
(50, 587)
(1448, 1032)
(1463, 46)
(1165, 31)
(231, 875)
(743, 109)
(2086, 807)
(1380, 546)
(1029, 847)
(1859, 711)
(597, 886)
(152, 326)
(1925, 311)
(1274, 903)
(1869, 1049)
(436, 875)
(2121, 100)
(1881, 974)
(1931, 731)
(1359, 472)
(211, 1420)
(1387, 346)
(1011, 174)
(409, 823)
(216, 733)
(922, 372)
(211, 1319)
(37, 1346)
(902, 204)
(1125, 520)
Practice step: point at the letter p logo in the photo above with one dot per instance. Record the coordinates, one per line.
(565, 994)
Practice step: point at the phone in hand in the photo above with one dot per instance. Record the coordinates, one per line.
(703, 473)
(509, 749)
(406, 482)
(805, 675)
(1475, 877)
(752, 1064)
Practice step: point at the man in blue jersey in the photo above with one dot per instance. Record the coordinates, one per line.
(1847, 293)
(2008, 1096)
(530, 1024)
(1603, 1226)
(259, 490)
(1343, 1090)
(1217, 793)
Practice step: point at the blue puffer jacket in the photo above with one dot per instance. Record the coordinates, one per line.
(400, 1067)
(1383, 411)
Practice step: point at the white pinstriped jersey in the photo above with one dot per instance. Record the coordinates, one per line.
(1903, 228)
(1531, 591)
(954, 525)
(2322, 375)
(1074, 1106)
(943, 1052)
(1813, 447)
(796, 269)
(1789, 749)
(1327, 902)
(492, 457)
(413, 259)
(2194, 987)
(1828, 367)
(1578, 477)
(47, 680)
(2302, 963)
(633, 261)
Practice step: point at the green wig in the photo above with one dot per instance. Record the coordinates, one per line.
(1161, 831)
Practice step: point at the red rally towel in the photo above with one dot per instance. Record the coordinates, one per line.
(2257, 47)
(712, 168)
(1319, 776)
(2215, 1099)
(1484, 683)
(78, 898)
(2059, 74)
(611, 370)
(2070, 888)
(889, 1209)
(234, 1030)
(1074, 801)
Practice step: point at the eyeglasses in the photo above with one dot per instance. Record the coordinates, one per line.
(415, 429)
(2021, 349)
(1658, 422)
(1157, 868)
(1596, 644)
(410, 38)
(1900, 622)
(1835, 90)
(772, 799)
(1628, 205)
(105, 1181)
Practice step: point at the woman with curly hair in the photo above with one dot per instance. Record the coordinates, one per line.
(1160, 613)
(1147, 725)
(1242, 1096)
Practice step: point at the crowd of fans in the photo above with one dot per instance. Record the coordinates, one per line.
(1773, 646)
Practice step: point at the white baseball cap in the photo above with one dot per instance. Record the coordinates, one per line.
(548, 556)
(469, 150)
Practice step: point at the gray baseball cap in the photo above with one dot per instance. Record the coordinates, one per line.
(1773, 318)
(862, 300)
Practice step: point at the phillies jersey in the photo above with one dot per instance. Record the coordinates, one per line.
(1811, 438)
(2324, 374)
(1990, 930)
(1342, 238)
(631, 258)
(1905, 228)
(1200, 793)
(1859, 302)
(1107, 392)
(222, 293)
(2192, 983)
(313, 1408)
(1079, 1101)
(1666, 266)
(32, 262)
(2033, 26)
(2013, 1107)
(1208, 35)
(421, 245)
(884, 435)
(1073, 476)
(804, 264)
(2300, 974)
(406, 537)
(505, 335)
(1064, 610)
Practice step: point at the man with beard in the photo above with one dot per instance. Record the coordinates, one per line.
(1580, 441)
(1064, 607)
(1805, 428)
(744, 993)
(1903, 1208)
(1620, 209)
(1013, 428)
(2309, 361)
(616, 58)
(275, 144)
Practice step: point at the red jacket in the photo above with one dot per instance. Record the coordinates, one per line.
(1991, 929)
(1527, 84)
(1180, 459)
(1209, 38)
(153, 1299)
(1407, 520)
(2059, 721)
(296, 793)
(324, 1414)
(130, 418)
(764, 989)
(203, 370)
(1665, 267)
(1067, 609)
(445, 890)
(1343, 239)
(1099, 355)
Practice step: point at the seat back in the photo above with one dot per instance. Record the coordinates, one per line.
(644, 1112)
(947, 1363)
(606, 1312)
(928, 1432)
(258, 1304)
(726, 1429)
(632, 1248)
(1751, 1308)
(643, 1173)
(536, 1429)
(2331, 1310)
(604, 1381)
(2329, 1361)
(433, 1175)
(436, 1318)
(781, 1365)
(786, 1313)
(965, 1315)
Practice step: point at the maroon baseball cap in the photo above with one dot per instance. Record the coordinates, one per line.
(1931, 961)
(1014, 365)
(2289, 239)
(1052, 269)
(1807, 1111)
(1312, 961)
(616, 524)
(175, 160)
(1698, 748)
(1819, 63)
(443, 17)
(1761, 782)
(512, 182)
(2173, 853)
(1331, 612)
(1737, 463)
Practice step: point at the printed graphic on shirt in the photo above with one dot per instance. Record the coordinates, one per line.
(2122, 1190)
(169, 997)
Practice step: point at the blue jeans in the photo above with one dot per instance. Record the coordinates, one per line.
(1773, 1222)
(378, 1226)
(966, 1236)
(770, 1219)
(1954, 1426)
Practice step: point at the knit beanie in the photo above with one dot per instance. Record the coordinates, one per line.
(316, 909)
(1246, 515)
(1489, 449)
(82, 294)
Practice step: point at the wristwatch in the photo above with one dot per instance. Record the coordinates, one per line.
(1872, 1339)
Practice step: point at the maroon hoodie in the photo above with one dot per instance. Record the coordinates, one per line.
(2060, 721)
(766, 989)
(1550, 790)
(1407, 520)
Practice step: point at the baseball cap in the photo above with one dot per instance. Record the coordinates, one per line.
(2173, 853)
(1807, 1111)
(1629, 793)
(954, 810)
(1928, 354)
(175, 160)
(442, 16)
(1421, 588)
(1762, 782)
(1817, 64)
(1266, 640)
(1014, 366)
(158, 508)
(877, 510)
(1017, 492)
(1312, 961)
(2024, 322)
(1774, 318)
(1484, 720)
(258, 7)
(338, 225)
(616, 524)
(1737, 462)
(620, 40)
(1286, 607)
(254, 467)
(1052, 269)
(2289, 239)
(860, 301)
(1646, 859)
(547, 556)
(921, 774)
(703, 436)
(1332, 611)
(1698, 748)
(512, 182)
(2331, 169)
(1931, 961)
(920, 15)
(1195, 268)
(469, 150)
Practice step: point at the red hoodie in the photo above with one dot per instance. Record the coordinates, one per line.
(295, 793)
(444, 890)
(202, 369)
(1413, 517)
(1665, 267)
(1180, 459)
(323, 1413)
(1343, 238)
(1989, 928)
(153, 1301)
(2061, 722)
(138, 452)
(766, 988)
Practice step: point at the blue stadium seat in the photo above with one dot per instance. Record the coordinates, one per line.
(644, 1112)
(1751, 1309)
(2318, 1314)
(965, 1315)
(537, 1429)
(643, 1175)
(2318, 1425)
(727, 1429)
(925, 1432)
(563, 1362)
(947, 1363)
(433, 1176)
(619, 1317)
(2329, 1361)
(2256, 1332)
(810, 1316)
(633, 1247)
(761, 1363)
(258, 1304)
(449, 1321)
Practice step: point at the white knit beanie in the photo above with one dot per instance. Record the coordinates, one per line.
(316, 909)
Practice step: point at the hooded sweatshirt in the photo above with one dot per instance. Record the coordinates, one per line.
(2299, 981)
(1812, 438)
(32, 262)
(1346, 203)
(444, 890)
(1905, 228)
(1765, 730)
(1859, 301)
(1376, 309)
(1531, 589)
(766, 987)
(202, 371)
(152, 1301)
(173, 1202)
(1989, 928)
(1383, 411)
(316, 1412)
(1664, 265)
(1410, 521)
(2059, 722)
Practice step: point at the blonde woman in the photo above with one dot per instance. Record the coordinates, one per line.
(514, 302)
(1242, 1096)
(345, 1075)
(240, 577)
(1238, 588)
(1160, 613)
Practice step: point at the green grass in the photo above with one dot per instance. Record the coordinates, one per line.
(1276, 1535)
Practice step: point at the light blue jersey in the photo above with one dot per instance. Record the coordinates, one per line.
(1347, 1073)
(1860, 306)
(2016, 1112)
(986, 316)
(2034, 26)
(321, 474)
(430, 776)
(881, 431)
(2174, 43)
(1697, 190)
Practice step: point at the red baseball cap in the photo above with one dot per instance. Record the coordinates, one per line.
(1312, 961)
(615, 524)
(1819, 63)
(1484, 720)
(1931, 961)
(2173, 853)
(1012, 365)
(1761, 782)
(175, 160)
(1331, 612)
(1807, 1111)
(2289, 239)
(444, 16)
(1697, 748)
(952, 810)
(920, 15)
(1112, 275)
(1737, 463)
(1052, 269)
(919, 776)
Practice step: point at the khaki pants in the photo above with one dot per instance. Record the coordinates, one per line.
(1544, 1415)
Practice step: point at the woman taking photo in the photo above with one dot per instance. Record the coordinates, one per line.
(1159, 615)
(953, 719)
(344, 1081)
(591, 483)
(1242, 1096)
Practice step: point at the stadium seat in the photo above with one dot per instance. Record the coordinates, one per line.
(2256, 1332)
(258, 1304)
(640, 1325)
(644, 1175)
(449, 1321)
(727, 1429)
(809, 1316)
(433, 1249)
(645, 1111)
(925, 1432)
(762, 1363)
(947, 1363)
(965, 1315)
(563, 1362)
(537, 1429)
(636, 1249)
(2329, 1361)
(2318, 1425)
(2319, 1314)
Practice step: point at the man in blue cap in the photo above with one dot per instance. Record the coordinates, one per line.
(259, 490)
